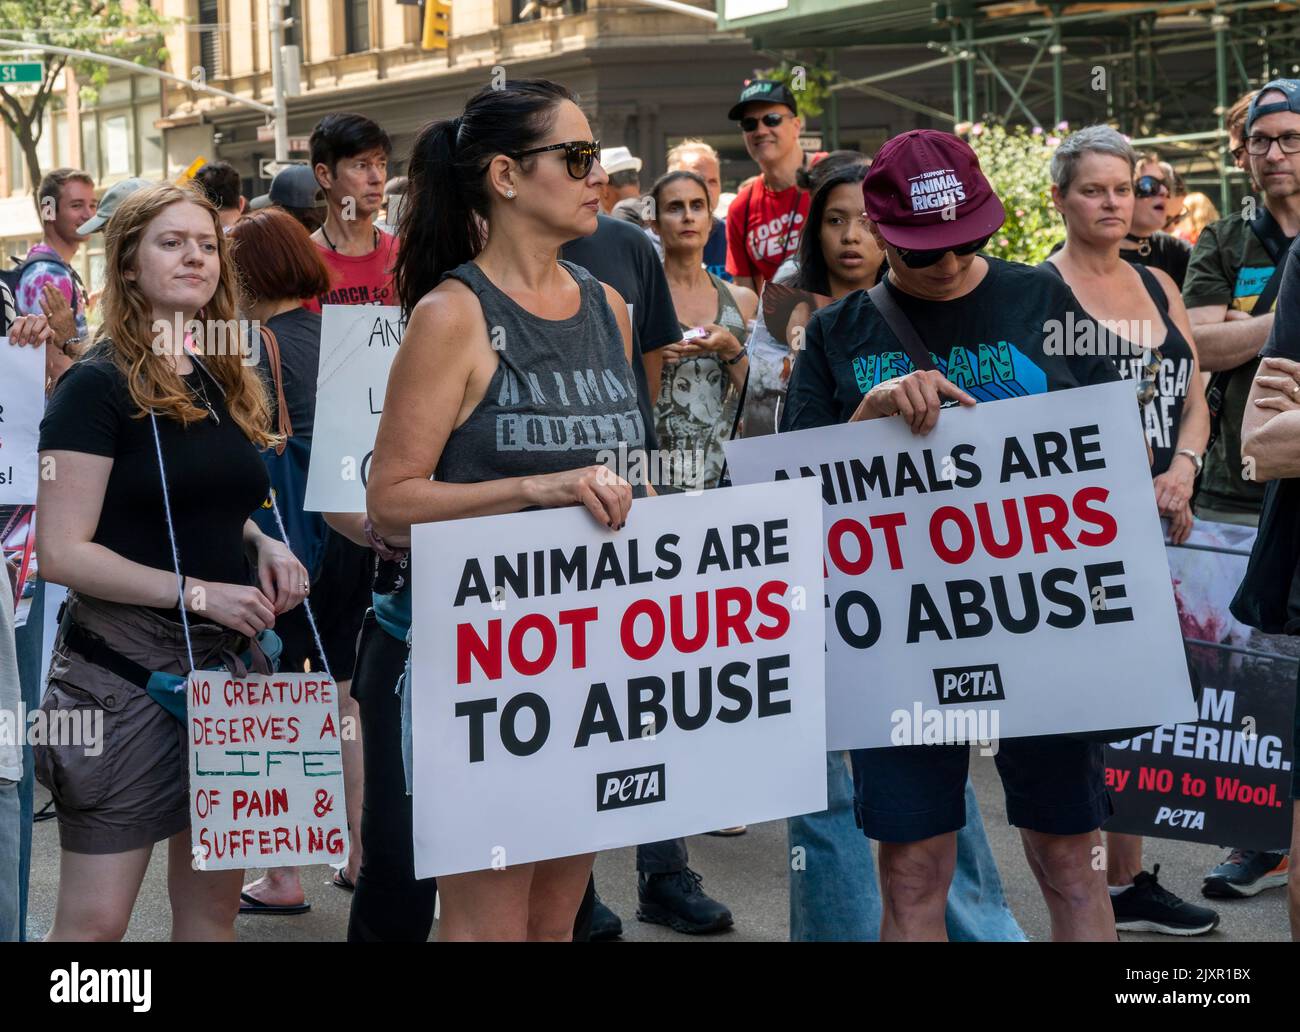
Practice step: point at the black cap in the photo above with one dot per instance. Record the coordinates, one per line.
(762, 91)
(1289, 88)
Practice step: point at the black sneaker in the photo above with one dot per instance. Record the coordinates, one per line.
(1245, 873)
(605, 924)
(1148, 907)
(676, 900)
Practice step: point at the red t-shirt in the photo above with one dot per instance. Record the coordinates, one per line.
(764, 228)
(365, 279)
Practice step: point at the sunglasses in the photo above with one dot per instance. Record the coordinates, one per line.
(924, 259)
(579, 155)
(1149, 186)
(1146, 388)
(772, 119)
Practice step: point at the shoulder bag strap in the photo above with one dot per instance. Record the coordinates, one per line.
(283, 424)
(900, 325)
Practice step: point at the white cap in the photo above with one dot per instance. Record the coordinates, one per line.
(619, 159)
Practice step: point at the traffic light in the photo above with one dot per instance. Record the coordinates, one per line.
(437, 24)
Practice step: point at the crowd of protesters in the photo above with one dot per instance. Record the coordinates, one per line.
(510, 215)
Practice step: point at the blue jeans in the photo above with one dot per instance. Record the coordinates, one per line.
(27, 640)
(834, 893)
(9, 838)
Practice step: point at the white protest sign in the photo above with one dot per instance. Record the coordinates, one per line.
(357, 346)
(578, 689)
(266, 771)
(22, 403)
(1002, 576)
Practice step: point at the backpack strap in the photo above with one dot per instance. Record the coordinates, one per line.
(282, 421)
(900, 325)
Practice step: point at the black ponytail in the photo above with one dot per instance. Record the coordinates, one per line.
(443, 222)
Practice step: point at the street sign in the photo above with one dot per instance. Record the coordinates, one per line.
(265, 133)
(300, 144)
(268, 167)
(810, 143)
(21, 71)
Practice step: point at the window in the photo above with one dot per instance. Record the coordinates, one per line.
(117, 146)
(151, 141)
(210, 38)
(62, 145)
(293, 34)
(90, 145)
(527, 10)
(356, 25)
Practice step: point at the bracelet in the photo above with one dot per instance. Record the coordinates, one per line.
(380, 546)
(744, 350)
(67, 343)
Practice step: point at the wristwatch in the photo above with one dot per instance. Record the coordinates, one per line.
(1197, 461)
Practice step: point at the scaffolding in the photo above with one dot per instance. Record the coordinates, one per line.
(1160, 72)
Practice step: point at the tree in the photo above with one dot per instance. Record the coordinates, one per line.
(1017, 161)
(128, 30)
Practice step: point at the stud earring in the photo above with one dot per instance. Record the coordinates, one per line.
(510, 194)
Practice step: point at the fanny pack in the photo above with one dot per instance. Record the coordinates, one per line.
(166, 689)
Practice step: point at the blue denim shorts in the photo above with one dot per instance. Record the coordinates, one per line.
(907, 793)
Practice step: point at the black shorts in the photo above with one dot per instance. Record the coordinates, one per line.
(340, 596)
(1053, 784)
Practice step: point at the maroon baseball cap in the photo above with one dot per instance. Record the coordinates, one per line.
(915, 178)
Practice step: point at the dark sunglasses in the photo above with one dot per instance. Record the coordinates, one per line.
(1147, 387)
(924, 259)
(772, 119)
(579, 155)
(1149, 186)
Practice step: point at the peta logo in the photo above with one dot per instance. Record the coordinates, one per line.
(635, 787)
(967, 684)
(93, 985)
(1180, 818)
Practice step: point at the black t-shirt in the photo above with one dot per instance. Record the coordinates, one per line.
(1284, 337)
(990, 342)
(1168, 253)
(215, 477)
(298, 334)
(620, 254)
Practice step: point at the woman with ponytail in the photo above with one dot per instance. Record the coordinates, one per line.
(151, 442)
(492, 196)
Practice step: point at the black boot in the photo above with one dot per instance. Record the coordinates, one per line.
(678, 901)
(605, 924)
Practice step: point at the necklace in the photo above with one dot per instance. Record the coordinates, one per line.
(373, 247)
(202, 393)
(1143, 243)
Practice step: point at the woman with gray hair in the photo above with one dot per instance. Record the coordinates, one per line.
(1149, 339)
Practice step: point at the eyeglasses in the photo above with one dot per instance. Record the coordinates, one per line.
(1146, 388)
(1258, 144)
(924, 259)
(1238, 151)
(579, 155)
(772, 119)
(1149, 186)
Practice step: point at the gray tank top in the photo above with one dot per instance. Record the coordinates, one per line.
(562, 394)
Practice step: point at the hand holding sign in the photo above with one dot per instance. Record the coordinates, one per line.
(917, 397)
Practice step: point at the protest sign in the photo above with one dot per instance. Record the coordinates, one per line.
(784, 311)
(1224, 779)
(266, 771)
(999, 577)
(22, 403)
(357, 347)
(577, 689)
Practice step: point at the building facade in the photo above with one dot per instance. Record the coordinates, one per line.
(647, 79)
